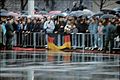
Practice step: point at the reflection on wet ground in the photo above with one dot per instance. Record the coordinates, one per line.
(46, 65)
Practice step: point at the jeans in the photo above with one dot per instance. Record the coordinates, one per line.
(100, 41)
(93, 39)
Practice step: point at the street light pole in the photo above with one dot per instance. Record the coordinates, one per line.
(30, 7)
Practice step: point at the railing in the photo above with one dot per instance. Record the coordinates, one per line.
(38, 39)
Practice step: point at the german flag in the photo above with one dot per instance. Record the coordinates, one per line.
(53, 46)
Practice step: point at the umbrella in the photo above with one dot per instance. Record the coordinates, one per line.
(63, 14)
(76, 13)
(40, 16)
(13, 14)
(107, 16)
(3, 10)
(98, 14)
(43, 12)
(87, 12)
(108, 11)
(54, 12)
(3, 14)
(117, 9)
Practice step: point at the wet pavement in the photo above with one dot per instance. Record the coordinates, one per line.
(49, 65)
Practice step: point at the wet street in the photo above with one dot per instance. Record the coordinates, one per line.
(47, 65)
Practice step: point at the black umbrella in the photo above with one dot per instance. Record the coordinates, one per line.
(107, 16)
(98, 14)
(108, 11)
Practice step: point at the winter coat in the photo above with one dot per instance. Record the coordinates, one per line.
(49, 26)
(109, 31)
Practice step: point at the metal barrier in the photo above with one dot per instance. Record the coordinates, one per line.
(32, 39)
(38, 39)
(36, 66)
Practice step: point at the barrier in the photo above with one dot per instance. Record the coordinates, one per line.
(38, 39)
(32, 39)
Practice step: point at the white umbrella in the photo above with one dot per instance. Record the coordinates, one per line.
(88, 12)
(13, 14)
(76, 13)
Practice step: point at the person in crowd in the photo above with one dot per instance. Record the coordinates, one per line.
(25, 31)
(93, 27)
(72, 28)
(9, 33)
(17, 27)
(100, 35)
(49, 27)
(118, 27)
(3, 31)
(35, 26)
(109, 31)
(59, 25)
(1, 35)
(82, 25)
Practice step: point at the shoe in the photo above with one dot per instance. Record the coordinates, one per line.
(98, 49)
(92, 49)
(101, 49)
(86, 47)
(95, 46)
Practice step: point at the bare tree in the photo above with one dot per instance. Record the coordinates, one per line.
(52, 5)
(23, 4)
(2, 3)
(102, 3)
(47, 3)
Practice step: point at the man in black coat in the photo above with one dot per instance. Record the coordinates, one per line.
(9, 33)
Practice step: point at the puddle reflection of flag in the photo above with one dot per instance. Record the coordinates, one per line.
(52, 46)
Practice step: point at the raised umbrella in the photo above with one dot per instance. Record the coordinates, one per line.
(13, 14)
(107, 16)
(76, 13)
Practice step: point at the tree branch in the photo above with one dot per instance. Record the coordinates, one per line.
(96, 3)
(108, 4)
(25, 3)
(104, 1)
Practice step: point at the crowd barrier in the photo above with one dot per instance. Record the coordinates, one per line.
(33, 39)
(38, 39)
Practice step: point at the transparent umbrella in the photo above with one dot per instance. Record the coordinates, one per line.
(76, 13)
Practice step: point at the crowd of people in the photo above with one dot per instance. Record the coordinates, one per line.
(97, 27)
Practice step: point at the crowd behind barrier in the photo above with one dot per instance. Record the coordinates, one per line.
(91, 33)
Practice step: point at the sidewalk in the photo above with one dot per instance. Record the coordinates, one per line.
(65, 50)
